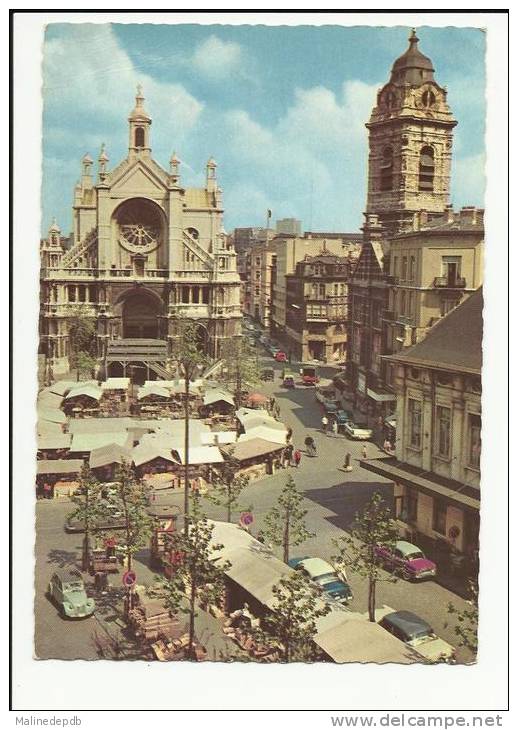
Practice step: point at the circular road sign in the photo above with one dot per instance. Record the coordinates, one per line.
(246, 519)
(129, 578)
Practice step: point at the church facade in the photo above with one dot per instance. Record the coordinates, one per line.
(146, 254)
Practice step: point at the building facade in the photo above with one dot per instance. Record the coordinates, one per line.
(146, 254)
(436, 468)
(316, 308)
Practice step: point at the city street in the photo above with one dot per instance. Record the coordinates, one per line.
(332, 497)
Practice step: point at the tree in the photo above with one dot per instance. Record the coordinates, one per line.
(198, 570)
(372, 527)
(291, 624)
(85, 363)
(130, 498)
(240, 366)
(466, 627)
(227, 487)
(190, 360)
(284, 523)
(81, 336)
(87, 509)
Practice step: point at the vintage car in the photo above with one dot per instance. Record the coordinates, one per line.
(288, 381)
(281, 356)
(325, 392)
(267, 374)
(343, 417)
(331, 407)
(358, 431)
(325, 576)
(407, 560)
(67, 590)
(417, 633)
(112, 520)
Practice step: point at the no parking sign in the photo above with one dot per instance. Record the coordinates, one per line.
(129, 578)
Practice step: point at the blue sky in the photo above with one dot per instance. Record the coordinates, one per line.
(281, 109)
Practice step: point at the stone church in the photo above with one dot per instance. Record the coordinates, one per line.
(145, 254)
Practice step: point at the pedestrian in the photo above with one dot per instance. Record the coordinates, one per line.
(364, 451)
(289, 434)
(285, 458)
(277, 412)
(387, 446)
(324, 423)
(296, 457)
(347, 462)
(289, 453)
(272, 403)
(335, 427)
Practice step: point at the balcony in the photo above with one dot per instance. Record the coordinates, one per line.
(388, 315)
(146, 274)
(69, 274)
(449, 282)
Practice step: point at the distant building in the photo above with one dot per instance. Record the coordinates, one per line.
(289, 226)
(316, 308)
(436, 468)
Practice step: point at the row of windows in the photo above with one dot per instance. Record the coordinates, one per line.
(443, 432)
(426, 169)
(407, 270)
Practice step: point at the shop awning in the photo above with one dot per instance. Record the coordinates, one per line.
(380, 396)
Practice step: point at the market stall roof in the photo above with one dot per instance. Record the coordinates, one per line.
(154, 389)
(146, 452)
(257, 398)
(176, 429)
(215, 396)
(217, 438)
(87, 442)
(356, 639)
(59, 466)
(109, 454)
(265, 433)
(200, 455)
(47, 428)
(243, 450)
(49, 400)
(59, 440)
(244, 413)
(53, 415)
(90, 391)
(116, 384)
(102, 425)
(61, 387)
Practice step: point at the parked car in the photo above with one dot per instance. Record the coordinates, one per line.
(288, 382)
(267, 374)
(309, 374)
(358, 431)
(417, 633)
(325, 576)
(112, 521)
(324, 392)
(281, 356)
(67, 590)
(408, 560)
(331, 407)
(343, 417)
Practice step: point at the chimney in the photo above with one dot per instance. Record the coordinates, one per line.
(423, 218)
(449, 214)
(468, 215)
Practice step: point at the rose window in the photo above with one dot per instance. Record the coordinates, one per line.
(139, 225)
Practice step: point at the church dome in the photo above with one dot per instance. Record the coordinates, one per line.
(413, 67)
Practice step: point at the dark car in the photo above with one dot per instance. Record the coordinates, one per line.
(331, 407)
(417, 633)
(343, 417)
(267, 374)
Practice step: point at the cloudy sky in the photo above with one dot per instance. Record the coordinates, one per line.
(281, 109)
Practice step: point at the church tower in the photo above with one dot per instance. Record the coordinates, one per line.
(410, 143)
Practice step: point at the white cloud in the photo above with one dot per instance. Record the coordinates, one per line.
(217, 59)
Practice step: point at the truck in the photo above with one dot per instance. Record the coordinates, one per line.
(309, 374)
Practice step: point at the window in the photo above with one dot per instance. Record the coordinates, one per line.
(443, 432)
(205, 294)
(256, 291)
(387, 169)
(448, 304)
(428, 98)
(408, 511)
(426, 169)
(403, 303)
(193, 233)
(71, 293)
(451, 269)
(258, 261)
(394, 266)
(439, 516)
(139, 137)
(415, 420)
(474, 443)
(404, 267)
(257, 274)
(185, 295)
(322, 290)
(411, 270)
(410, 309)
(336, 290)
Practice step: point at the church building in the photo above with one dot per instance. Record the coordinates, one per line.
(146, 253)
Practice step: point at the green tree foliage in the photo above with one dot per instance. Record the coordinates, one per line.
(198, 570)
(372, 527)
(190, 360)
(291, 624)
(466, 627)
(284, 524)
(240, 369)
(81, 335)
(88, 509)
(85, 363)
(227, 487)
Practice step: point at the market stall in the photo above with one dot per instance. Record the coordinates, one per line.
(57, 478)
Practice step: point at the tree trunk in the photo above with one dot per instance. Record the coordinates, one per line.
(286, 538)
(85, 560)
(229, 505)
(190, 649)
(372, 599)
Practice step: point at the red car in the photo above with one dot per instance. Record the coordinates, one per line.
(281, 356)
(407, 560)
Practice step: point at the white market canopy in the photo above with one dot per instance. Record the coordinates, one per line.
(116, 384)
(215, 396)
(90, 391)
(200, 455)
(87, 442)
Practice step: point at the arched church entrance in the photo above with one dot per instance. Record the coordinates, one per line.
(140, 316)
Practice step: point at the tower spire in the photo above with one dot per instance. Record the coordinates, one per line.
(139, 123)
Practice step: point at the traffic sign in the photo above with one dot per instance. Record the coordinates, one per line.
(246, 519)
(129, 578)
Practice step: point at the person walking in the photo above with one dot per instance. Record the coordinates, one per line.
(277, 411)
(324, 423)
(289, 434)
(347, 462)
(334, 427)
(296, 457)
(364, 451)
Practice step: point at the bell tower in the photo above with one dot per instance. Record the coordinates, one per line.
(410, 143)
(139, 128)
